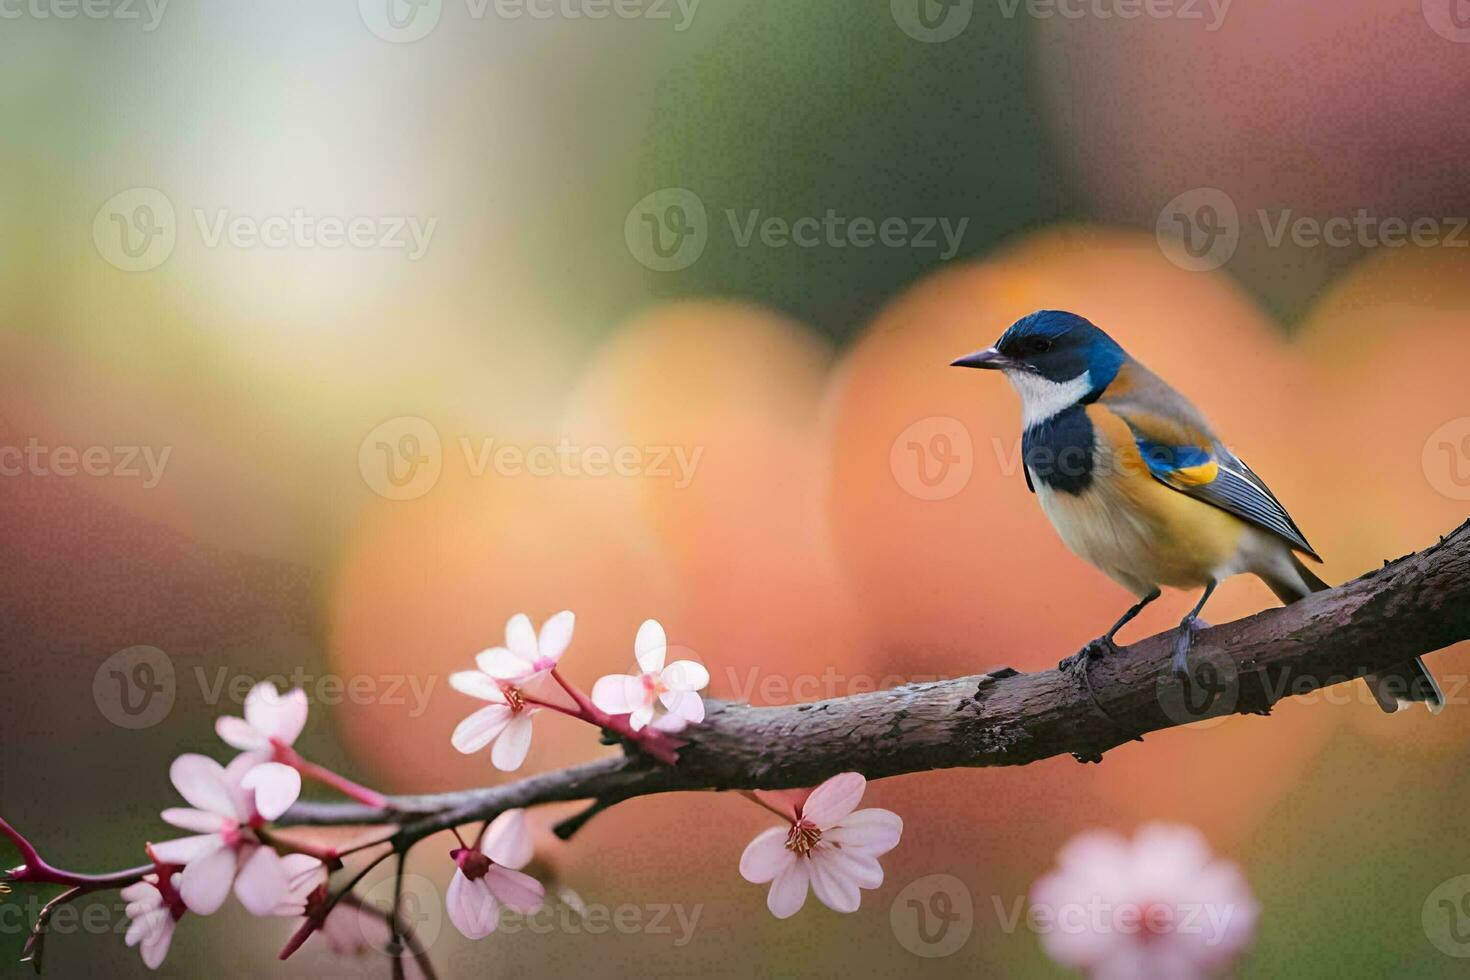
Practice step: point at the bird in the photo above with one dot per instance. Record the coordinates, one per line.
(1135, 481)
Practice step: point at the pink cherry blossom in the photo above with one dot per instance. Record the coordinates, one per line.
(226, 803)
(271, 719)
(487, 877)
(527, 658)
(505, 721)
(675, 687)
(306, 879)
(1160, 905)
(830, 846)
(153, 910)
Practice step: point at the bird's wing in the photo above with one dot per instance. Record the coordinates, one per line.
(1182, 453)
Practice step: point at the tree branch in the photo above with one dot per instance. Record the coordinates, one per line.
(1412, 606)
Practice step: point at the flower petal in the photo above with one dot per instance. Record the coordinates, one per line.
(651, 646)
(206, 881)
(766, 856)
(834, 799)
(788, 891)
(477, 684)
(507, 840)
(640, 717)
(155, 946)
(471, 907)
(503, 665)
(262, 882)
(520, 636)
(872, 831)
(202, 782)
(146, 925)
(199, 821)
(831, 884)
(480, 728)
(556, 636)
(668, 723)
(276, 787)
(862, 869)
(685, 704)
(514, 888)
(276, 715)
(186, 850)
(685, 675)
(619, 694)
(239, 733)
(513, 744)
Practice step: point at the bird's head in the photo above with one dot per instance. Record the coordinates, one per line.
(1053, 358)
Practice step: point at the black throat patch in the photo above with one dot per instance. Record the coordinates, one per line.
(1058, 451)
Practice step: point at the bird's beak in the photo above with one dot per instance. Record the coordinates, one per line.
(989, 358)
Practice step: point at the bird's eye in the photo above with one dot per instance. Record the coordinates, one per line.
(1039, 345)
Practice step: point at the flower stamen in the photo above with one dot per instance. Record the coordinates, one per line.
(802, 838)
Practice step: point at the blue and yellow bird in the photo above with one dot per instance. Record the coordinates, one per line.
(1135, 481)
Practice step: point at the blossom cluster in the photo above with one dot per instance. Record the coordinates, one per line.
(826, 844)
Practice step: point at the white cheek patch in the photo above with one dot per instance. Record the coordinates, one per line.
(1042, 398)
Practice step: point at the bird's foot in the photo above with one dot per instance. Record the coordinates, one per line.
(1101, 647)
(1183, 643)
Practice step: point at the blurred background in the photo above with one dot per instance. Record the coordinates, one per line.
(336, 333)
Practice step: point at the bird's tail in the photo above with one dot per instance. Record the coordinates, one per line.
(1402, 684)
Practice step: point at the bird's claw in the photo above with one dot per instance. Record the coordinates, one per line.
(1101, 647)
(1183, 643)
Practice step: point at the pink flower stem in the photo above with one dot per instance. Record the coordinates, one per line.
(755, 798)
(317, 916)
(656, 744)
(289, 756)
(34, 868)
